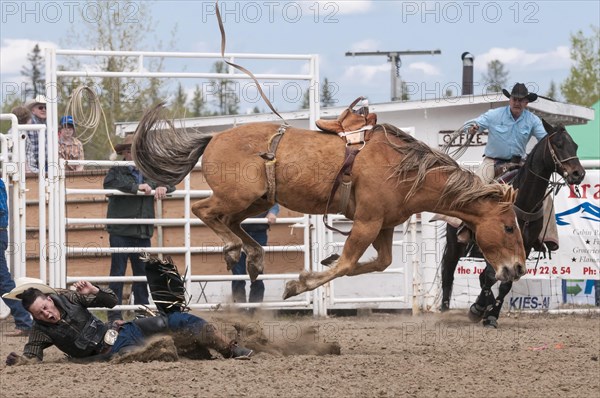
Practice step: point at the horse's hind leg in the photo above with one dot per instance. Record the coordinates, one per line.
(254, 252)
(212, 211)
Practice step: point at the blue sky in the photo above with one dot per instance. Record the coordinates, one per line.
(530, 37)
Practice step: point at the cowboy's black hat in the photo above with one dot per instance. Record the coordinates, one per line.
(520, 91)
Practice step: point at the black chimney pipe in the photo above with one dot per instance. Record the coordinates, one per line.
(467, 77)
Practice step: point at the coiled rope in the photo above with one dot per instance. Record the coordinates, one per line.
(84, 106)
(462, 148)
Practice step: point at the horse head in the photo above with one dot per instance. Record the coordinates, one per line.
(499, 237)
(564, 153)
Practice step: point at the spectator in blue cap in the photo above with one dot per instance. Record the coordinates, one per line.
(69, 147)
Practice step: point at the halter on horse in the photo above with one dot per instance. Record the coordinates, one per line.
(393, 177)
(557, 152)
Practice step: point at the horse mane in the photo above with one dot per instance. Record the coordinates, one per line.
(462, 187)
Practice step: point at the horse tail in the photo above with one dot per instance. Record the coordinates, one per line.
(163, 154)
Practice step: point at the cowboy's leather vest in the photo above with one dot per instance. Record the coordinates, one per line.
(79, 334)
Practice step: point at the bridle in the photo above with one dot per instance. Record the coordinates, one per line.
(553, 186)
(558, 163)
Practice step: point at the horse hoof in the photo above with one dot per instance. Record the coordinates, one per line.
(475, 313)
(231, 256)
(230, 261)
(445, 306)
(490, 323)
(292, 288)
(253, 272)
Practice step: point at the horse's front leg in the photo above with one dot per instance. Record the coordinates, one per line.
(485, 301)
(362, 235)
(491, 316)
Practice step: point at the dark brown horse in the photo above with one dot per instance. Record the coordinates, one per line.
(393, 177)
(557, 152)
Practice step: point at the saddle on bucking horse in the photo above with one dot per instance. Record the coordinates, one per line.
(355, 128)
(350, 123)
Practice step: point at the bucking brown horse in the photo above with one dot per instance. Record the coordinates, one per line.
(393, 177)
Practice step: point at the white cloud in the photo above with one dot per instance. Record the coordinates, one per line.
(365, 74)
(365, 45)
(14, 53)
(426, 68)
(352, 7)
(518, 59)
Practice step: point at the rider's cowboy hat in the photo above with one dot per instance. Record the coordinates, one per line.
(125, 145)
(25, 283)
(520, 91)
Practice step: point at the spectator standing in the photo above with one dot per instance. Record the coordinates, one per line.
(69, 147)
(130, 180)
(24, 116)
(37, 106)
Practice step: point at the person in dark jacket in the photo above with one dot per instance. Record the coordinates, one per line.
(61, 318)
(130, 180)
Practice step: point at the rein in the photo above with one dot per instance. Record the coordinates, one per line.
(273, 143)
(551, 184)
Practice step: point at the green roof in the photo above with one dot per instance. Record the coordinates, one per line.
(587, 136)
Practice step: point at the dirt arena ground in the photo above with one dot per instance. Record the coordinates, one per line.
(381, 355)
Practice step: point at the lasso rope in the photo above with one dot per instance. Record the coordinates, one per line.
(84, 107)
(462, 148)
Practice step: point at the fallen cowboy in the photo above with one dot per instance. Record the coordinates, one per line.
(61, 318)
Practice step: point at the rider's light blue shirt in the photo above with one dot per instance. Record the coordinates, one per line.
(509, 137)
